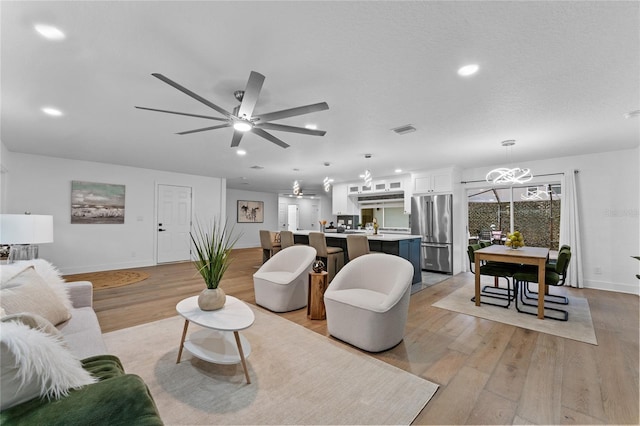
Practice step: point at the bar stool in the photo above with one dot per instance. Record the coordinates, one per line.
(269, 246)
(286, 239)
(333, 257)
(357, 245)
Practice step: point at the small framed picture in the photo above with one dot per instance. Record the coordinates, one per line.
(250, 211)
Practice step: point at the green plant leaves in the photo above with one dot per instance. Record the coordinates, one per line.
(213, 245)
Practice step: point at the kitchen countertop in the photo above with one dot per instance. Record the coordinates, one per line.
(379, 237)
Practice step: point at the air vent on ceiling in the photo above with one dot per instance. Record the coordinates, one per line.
(256, 167)
(408, 128)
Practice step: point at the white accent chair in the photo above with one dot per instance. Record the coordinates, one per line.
(367, 303)
(281, 283)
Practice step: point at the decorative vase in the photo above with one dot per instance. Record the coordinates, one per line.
(211, 299)
(318, 266)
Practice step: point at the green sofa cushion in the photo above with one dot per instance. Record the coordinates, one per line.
(117, 399)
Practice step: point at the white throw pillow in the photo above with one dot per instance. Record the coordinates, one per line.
(49, 273)
(28, 292)
(36, 364)
(33, 321)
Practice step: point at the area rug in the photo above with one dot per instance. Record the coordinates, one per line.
(109, 279)
(579, 326)
(297, 377)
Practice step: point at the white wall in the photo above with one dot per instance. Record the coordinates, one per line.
(42, 185)
(608, 188)
(5, 158)
(250, 235)
(306, 214)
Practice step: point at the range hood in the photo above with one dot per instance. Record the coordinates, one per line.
(381, 201)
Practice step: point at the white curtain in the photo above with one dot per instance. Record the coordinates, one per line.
(570, 227)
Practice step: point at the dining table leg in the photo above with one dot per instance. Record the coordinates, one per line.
(542, 287)
(477, 277)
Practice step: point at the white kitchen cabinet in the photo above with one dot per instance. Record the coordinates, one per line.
(431, 182)
(342, 204)
(408, 193)
(388, 185)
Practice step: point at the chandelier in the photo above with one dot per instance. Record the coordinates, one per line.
(296, 188)
(535, 194)
(504, 175)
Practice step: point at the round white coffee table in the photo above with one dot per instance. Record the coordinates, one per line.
(216, 343)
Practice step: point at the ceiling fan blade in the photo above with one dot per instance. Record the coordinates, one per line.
(277, 115)
(269, 137)
(292, 129)
(204, 129)
(190, 93)
(251, 93)
(237, 136)
(183, 113)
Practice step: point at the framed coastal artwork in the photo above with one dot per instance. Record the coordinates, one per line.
(250, 211)
(97, 203)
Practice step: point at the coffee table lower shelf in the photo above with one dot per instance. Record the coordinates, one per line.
(218, 347)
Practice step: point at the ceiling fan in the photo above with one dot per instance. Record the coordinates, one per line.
(242, 119)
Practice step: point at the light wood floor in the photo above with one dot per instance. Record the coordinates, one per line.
(488, 372)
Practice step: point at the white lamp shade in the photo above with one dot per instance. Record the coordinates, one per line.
(26, 229)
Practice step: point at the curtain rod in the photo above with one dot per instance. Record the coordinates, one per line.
(546, 174)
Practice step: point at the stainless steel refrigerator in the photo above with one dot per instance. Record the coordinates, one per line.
(431, 217)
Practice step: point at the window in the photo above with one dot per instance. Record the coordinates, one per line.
(532, 210)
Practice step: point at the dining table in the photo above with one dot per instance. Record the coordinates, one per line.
(522, 256)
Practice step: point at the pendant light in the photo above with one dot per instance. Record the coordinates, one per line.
(509, 176)
(367, 174)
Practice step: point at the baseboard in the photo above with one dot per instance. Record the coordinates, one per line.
(617, 287)
(106, 267)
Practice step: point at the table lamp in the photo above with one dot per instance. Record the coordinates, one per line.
(23, 232)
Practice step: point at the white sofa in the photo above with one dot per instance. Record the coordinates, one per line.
(281, 283)
(367, 302)
(55, 368)
(81, 332)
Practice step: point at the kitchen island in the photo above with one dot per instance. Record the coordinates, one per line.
(403, 245)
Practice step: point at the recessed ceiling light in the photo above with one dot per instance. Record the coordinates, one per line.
(468, 70)
(241, 152)
(49, 32)
(52, 111)
(398, 170)
(311, 127)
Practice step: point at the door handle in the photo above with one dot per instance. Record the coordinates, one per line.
(161, 230)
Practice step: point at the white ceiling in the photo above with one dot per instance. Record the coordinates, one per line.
(555, 76)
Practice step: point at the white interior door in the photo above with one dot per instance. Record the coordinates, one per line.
(292, 217)
(173, 210)
(282, 216)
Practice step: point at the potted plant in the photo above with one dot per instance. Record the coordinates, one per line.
(213, 247)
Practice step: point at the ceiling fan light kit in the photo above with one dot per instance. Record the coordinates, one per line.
(243, 119)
